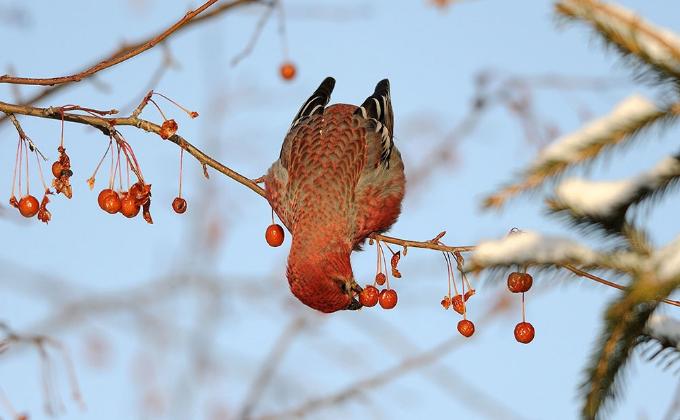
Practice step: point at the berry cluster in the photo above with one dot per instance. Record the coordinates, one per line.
(137, 196)
(387, 297)
(28, 204)
(521, 282)
(458, 302)
(129, 202)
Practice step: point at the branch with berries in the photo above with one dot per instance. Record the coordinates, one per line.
(138, 195)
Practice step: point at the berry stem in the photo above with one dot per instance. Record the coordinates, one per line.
(449, 265)
(28, 182)
(190, 113)
(158, 108)
(94, 174)
(120, 173)
(42, 178)
(112, 173)
(16, 165)
(181, 159)
(384, 261)
(523, 310)
(459, 264)
(377, 264)
(61, 141)
(282, 29)
(127, 172)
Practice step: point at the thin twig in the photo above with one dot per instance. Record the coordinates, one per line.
(406, 365)
(266, 372)
(112, 61)
(211, 13)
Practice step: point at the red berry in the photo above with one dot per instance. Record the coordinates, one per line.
(287, 70)
(129, 206)
(380, 279)
(274, 235)
(111, 203)
(458, 305)
(102, 197)
(179, 205)
(519, 282)
(369, 296)
(57, 167)
(524, 332)
(466, 327)
(28, 206)
(388, 298)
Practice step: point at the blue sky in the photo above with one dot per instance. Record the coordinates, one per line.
(431, 57)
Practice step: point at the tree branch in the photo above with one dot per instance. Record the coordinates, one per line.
(107, 126)
(113, 60)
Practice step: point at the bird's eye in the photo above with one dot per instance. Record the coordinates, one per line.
(342, 285)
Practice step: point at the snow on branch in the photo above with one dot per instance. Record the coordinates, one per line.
(664, 328)
(627, 119)
(667, 262)
(665, 331)
(652, 46)
(531, 248)
(608, 201)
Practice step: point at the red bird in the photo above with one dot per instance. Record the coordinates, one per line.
(338, 179)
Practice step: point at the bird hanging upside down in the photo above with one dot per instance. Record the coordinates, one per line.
(338, 179)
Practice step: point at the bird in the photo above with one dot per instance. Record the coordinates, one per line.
(339, 178)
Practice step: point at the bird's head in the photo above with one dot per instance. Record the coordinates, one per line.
(324, 283)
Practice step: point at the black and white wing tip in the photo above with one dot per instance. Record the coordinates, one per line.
(317, 102)
(379, 108)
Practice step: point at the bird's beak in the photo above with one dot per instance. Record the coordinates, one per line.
(354, 305)
(354, 292)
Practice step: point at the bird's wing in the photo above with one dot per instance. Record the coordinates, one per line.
(380, 188)
(317, 102)
(377, 111)
(278, 189)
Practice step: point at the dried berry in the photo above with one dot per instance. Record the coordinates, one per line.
(168, 129)
(466, 327)
(140, 192)
(457, 303)
(287, 70)
(44, 215)
(519, 282)
(446, 302)
(61, 169)
(274, 235)
(524, 332)
(179, 205)
(380, 279)
(146, 212)
(369, 296)
(394, 262)
(28, 206)
(469, 293)
(388, 298)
